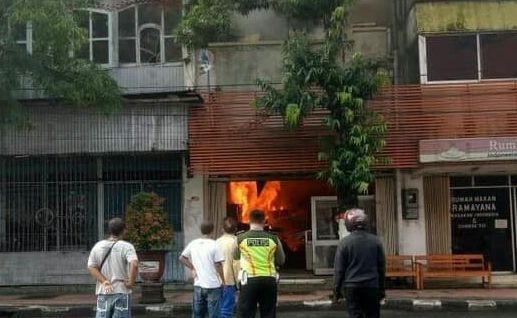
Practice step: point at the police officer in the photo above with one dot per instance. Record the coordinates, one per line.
(360, 268)
(259, 252)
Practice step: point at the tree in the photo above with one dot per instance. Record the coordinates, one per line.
(314, 76)
(51, 67)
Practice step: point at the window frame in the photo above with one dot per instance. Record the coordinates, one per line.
(422, 51)
(152, 26)
(136, 38)
(28, 38)
(109, 39)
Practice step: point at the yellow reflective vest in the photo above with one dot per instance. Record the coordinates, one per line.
(259, 253)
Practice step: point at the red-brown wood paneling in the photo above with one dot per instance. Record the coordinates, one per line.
(228, 137)
(422, 112)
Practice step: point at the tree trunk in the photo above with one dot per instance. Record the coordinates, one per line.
(346, 199)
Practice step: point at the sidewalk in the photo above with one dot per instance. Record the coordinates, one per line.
(179, 301)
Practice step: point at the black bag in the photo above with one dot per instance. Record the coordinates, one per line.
(106, 256)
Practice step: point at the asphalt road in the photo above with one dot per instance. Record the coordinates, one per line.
(402, 314)
(391, 314)
(333, 314)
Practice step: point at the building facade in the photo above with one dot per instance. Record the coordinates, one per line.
(73, 170)
(458, 53)
(450, 186)
(247, 160)
(451, 111)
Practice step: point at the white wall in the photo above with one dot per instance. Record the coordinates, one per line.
(412, 235)
(193, 207)
(192, 210)
(44, 268)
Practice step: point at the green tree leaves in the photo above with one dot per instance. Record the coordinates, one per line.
(208, 21)
(205, 21)
(313, 77)
(51, 68)
(146, 222)
(292, 115)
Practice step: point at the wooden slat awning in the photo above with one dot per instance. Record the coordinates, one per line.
(228, 137)
(423, 112)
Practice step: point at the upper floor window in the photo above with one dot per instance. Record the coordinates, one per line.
(469, 57)
(146, 34)
(23, 36)
(498, 53)
(98, 28)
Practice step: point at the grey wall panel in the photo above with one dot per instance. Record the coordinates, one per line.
(149, 78)
(137, 128)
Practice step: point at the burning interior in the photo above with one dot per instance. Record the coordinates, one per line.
(287, 205)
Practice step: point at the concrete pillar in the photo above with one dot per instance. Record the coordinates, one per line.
(3, 206)
(194, 203)
(412, 233)
(3, 215)
(193, 207)
(100, 201)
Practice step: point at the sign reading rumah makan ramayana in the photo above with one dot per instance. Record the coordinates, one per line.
(469, 149)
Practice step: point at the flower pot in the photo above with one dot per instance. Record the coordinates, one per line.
(152, 265)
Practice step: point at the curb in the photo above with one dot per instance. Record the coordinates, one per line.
(167, 310)
(454, 305)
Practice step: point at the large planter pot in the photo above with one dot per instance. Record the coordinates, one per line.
(152, 265)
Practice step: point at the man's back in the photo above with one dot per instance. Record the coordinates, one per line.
(360, 260)
(204, 254)
(259, 253)
(228, 245)
(359, 268)
(115, 268)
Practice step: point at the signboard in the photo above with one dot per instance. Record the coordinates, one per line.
(480, 219)
(470, 149)
(149, 267)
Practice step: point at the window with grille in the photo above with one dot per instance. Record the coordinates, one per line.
(146, 34)
(52, 203)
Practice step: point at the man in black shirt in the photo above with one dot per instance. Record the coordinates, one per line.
(360, 268)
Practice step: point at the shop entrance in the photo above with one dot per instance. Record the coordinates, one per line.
(287, 205)
(483, 218)
(325, 230)
(303, 215)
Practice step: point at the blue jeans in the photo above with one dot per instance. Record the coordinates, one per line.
(228, 302)
(206, 301)
(113, 306)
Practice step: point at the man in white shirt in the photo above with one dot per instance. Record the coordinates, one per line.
(114, 265)
(203, 257)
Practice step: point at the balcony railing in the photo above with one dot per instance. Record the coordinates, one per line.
(133, 79)
(155, 78)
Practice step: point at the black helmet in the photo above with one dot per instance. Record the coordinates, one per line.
(355, 219)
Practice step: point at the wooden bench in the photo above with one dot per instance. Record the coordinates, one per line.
(453, 266)
(402, 266)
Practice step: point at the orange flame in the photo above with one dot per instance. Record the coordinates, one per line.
(286, 204)
(246, 195)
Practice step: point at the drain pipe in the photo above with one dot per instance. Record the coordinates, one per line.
(398, 188)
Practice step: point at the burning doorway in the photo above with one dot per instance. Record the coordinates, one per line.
(287, 205)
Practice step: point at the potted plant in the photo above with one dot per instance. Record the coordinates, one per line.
(149, 231)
